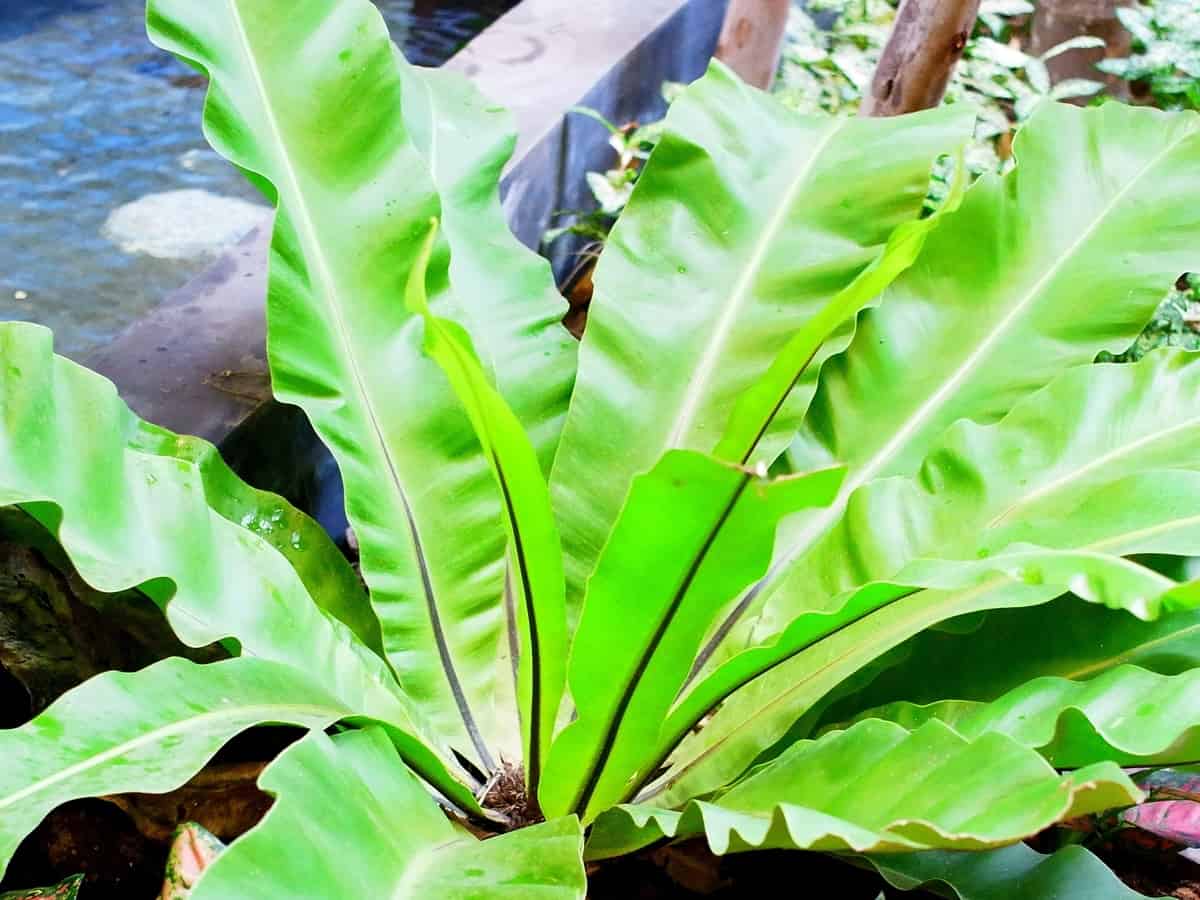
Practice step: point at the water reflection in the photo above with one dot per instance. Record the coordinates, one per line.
(18, 17)
(93, 118)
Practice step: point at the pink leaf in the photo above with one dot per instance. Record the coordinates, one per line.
(1175, 820)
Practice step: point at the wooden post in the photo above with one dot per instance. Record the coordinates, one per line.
(752, 39)
(925, 44)
(1058, 20)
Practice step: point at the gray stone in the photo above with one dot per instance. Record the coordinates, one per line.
(183, 224)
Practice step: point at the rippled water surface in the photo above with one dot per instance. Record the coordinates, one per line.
(109, 197)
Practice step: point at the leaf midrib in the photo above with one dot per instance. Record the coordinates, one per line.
(926, 409)
(697, 388)
(783, 695)
(533, 763)
(1124, 656)
(613, 726)
(257, 712)
(823, 519)
(325, 275)
(969, 595)
(418, 865)
(1097, 462)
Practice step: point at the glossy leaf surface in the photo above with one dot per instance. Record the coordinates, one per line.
(880, 787)
(1033, 478)
(1047, 497)
(1025, 280)
(693, 533)
(129, 515)
(326, 574)
(540, 621)
(1128, 715)
(149, 731)
(503, 294)
(757, 407)
(983, 658)
(758, 715)
(309, 100)
(991, 466)
(744, 224)
(350, 821)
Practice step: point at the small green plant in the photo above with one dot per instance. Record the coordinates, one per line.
(828, 69)
(1165, 62)
(594, 621)
(611, 188)
(1174, 323)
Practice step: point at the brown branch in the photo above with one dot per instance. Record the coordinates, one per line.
(752, 39)
(925, 44)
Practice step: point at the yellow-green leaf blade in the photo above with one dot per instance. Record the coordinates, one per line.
(309, 100)
(747, 219)
(1094, 467)
(540, 613)
(1067, 255)
(350, 821)
(879, 787)
(131, 511)
(74, 456)
(148, 731)
(984, 659)
(756, 408)
(692, 534)
(501, 292)
(1127, 715)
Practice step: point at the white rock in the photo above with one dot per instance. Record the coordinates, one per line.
(182, 224)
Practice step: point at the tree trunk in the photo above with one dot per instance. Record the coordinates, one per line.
(925, 44)
(1058, 20)
(752, 39)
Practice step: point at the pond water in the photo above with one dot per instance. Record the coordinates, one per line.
(109, 197)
